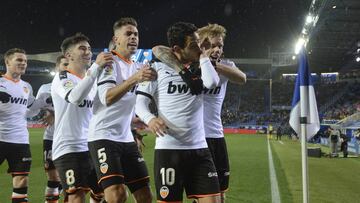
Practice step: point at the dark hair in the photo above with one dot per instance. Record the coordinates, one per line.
(72, 40)
(124, 21)
(12, 51)
(58, 59)
(178, 32)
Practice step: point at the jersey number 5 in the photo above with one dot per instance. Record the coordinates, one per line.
(102, 155)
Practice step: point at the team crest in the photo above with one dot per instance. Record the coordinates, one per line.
(108, 70)
(68, 84)
(164, 192)
(26, 90)
(104, 168)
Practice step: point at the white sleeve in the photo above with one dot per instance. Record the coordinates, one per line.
(82, 89)
(107, 80)
(34, 104)
(31, 98)
(145, 92)
(208, 74)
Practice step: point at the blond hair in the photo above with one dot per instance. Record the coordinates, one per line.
(212, 30)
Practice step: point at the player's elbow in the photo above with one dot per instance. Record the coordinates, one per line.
(109, 100)
(241, 79)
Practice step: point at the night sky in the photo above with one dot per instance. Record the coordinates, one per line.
(253, 25)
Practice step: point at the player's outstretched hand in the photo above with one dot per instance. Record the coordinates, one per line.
(104, 59)
(157, 126)
(48, 118)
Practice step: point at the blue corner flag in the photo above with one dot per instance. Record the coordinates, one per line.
(304, 100)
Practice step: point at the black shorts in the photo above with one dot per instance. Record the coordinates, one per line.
(119, 163)
(76, 172)
(218, 149)
(192, 170)
(18, 157)
(48, 162)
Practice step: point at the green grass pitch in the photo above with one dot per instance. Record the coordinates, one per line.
(331, 180)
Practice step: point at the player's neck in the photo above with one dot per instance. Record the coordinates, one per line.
(125, 55)
(77, 69)
(12, 76)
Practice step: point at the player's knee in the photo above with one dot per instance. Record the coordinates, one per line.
(210, 199)
(78, 196)
(115, 194)
(20, 181)
(143, 195)
(53, 175)
(96, 197)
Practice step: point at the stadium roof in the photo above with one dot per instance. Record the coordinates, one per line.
(336, 37)
(256, 28)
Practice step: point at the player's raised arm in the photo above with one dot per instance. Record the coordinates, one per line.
(38, 103)
(77, 94)
(114, 93)
(208, 74)
(233, 73)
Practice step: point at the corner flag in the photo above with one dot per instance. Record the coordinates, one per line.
(304, 101)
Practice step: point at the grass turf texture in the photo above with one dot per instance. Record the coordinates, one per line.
(331, 180)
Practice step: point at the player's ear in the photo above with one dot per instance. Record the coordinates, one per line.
(176, 49)
(67, 54)
(114, 39)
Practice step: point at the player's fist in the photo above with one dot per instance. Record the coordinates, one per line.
(205, 47)
(193, 81)
(104, 59)
(4, 97)
(146, 73)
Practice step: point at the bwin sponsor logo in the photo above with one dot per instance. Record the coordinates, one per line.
(180, 88)
(18, 100)
(86, 103)
(215, 90)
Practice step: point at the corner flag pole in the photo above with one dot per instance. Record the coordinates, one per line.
(304, 162)
(304, 106)
(304, 116)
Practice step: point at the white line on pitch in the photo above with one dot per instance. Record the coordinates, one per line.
(275, 195)
(281, 142)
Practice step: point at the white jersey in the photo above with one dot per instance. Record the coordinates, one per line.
(113, 122)
(213, 100)
(71, 120)
(45, 89)
(15, 97)
(181, 111)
